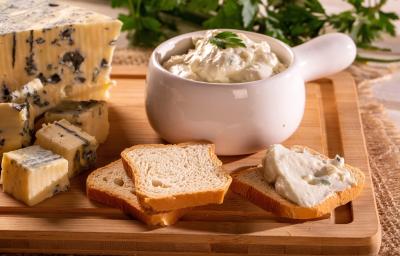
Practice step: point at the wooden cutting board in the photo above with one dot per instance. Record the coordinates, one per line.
(70, 223)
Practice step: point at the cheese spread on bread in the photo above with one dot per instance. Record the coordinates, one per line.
(303, 178)
(209, 63)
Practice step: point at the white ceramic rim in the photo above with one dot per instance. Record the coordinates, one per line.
(287, 72)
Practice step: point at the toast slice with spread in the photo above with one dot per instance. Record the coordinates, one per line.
(251, 184)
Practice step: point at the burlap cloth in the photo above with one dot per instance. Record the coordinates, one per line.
(381, 135)
(383, 142)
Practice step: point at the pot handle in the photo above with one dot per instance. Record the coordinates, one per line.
(324, 55)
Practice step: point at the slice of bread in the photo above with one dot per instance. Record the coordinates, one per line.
(110, 185)
(250, 184)
(169, 177)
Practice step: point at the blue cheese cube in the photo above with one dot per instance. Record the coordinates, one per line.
(91, 116)
(16, 126)
(71, 142)
(60, 44)
(33, 174)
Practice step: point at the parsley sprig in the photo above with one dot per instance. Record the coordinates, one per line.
(227, 39)
(293, 21)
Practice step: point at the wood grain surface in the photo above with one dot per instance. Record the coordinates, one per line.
(70, 223)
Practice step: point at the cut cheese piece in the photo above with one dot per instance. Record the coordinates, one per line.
(62, 45)
(33, 174)
(71, 142)
(40, 97)
(91, 116)
(16, 126)
(98, 93)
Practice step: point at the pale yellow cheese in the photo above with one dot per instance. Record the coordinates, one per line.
(62, 45)
(16, 126)
(33, 174)
(98, 93)
(71, 142)
(40, 97)
(91, 116)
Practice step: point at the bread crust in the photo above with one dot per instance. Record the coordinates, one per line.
(107, 197)
(278, 205)
(177, 201)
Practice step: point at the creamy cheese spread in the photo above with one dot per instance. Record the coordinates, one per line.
(303, 178)
(209, 63)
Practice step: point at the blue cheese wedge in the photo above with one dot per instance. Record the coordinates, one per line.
(16, 126)
(40, 97)
(91, 116)
(71, 142)
(62, 45)
(303, 178)
(33, 174)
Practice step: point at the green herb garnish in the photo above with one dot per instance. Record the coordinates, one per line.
(227, 39)
(317, 181)
(324, 182)
(152, 21)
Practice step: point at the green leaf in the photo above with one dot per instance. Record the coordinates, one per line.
(155, 6)
(226, 34)
(202, 6)
(390, 15)
(168, 5)
(151, 23)
(356, 3)
(146, 38)
(343, 22)
(128, 22)
(228, 16)
(249, 10)
(119, 3)
(273, 30)
(295, 22)
(227, 39)
(314, 6)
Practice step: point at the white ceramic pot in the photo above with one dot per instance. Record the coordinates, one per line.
(240, 118)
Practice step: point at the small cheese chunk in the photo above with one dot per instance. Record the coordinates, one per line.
(16, 126)
(62, 45)
(71, 142)
(33, 174)
(40, 97)
(91, 116)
